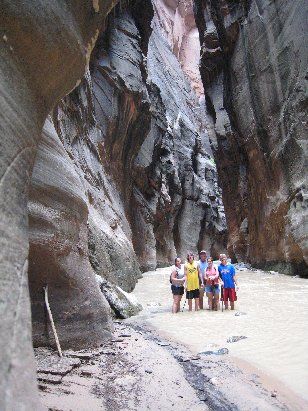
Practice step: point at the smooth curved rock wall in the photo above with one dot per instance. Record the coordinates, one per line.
(43, 52)
(58, 255)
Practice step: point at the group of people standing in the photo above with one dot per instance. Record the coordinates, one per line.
(202, 277)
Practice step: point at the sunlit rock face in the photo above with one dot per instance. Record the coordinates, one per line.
(177, 22)
(253, 67)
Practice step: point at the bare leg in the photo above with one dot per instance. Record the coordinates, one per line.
(216, 302)
(174, 305)
(201, 299)
(196, 304)
(179, 303)
(210, 300)
(232, 305)
(190, 304)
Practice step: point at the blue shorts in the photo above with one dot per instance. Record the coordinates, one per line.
(212, 288)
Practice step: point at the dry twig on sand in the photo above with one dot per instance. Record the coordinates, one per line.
(51, 321)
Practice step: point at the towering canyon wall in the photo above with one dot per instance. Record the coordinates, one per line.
(44, 49)
(253, 67)
(124, 179)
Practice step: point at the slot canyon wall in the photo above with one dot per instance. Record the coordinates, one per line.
(254, 72)
(124, 179)
(44, 50)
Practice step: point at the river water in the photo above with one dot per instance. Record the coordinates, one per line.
(275, 323)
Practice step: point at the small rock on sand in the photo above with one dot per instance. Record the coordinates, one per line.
(49, 378)
(221, 351)
(236, 338)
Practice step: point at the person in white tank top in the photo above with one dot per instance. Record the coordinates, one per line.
(177, 284)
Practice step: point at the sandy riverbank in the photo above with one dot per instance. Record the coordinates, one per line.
(139, 370)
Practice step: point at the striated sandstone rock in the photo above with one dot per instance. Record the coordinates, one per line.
(58, 255)
(145, 181)
(253, 67)
(44, 49)
(188, 204)
(154, 145)
(109, 234)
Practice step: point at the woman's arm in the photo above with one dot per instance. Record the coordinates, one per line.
(185, 281)
(200, 276)
(185, 276)
(176, 281)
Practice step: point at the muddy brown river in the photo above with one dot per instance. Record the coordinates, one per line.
(274, 320)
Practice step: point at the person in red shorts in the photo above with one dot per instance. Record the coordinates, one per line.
(227, 274)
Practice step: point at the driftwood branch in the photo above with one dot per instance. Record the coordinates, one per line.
(51, 321)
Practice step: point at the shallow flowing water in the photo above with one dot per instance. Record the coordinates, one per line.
(275, 323)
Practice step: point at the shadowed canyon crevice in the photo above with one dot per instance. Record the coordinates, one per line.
(120, 178)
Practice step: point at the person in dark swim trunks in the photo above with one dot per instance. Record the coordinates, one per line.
(177, 284)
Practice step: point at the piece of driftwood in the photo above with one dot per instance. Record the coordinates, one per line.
(51, 321)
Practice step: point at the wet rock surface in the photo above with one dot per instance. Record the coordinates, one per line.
(239, 313)
(58, 216)
(123, 304)
(49, 362)
(122, 375)
(167, 174)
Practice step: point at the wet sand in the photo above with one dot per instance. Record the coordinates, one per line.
(274, 323)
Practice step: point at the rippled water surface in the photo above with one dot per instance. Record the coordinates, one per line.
(275, 323)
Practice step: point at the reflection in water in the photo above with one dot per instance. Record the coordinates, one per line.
(275, 323)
